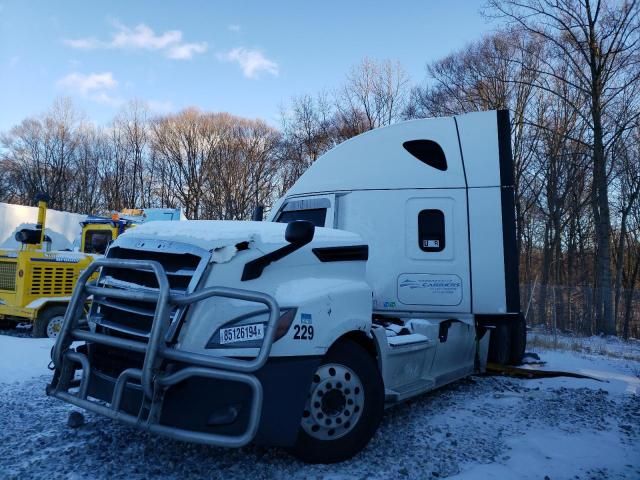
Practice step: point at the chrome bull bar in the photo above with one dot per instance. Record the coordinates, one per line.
(151, 378)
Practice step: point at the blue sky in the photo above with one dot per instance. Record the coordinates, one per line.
(244, 57)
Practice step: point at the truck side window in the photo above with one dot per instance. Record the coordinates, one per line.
(431, 230)
(317, 216)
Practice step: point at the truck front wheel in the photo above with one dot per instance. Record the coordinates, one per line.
(344, 406)
(49, 322)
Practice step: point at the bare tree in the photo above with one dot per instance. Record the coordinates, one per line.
(627, 190)
(375, 95)
(244, 167)
(307, 133)
(598, 40)
(185, 141)
(40, 154)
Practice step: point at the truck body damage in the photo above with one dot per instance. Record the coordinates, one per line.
(378, 278)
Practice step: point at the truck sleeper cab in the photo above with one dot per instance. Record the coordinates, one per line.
(378, 278)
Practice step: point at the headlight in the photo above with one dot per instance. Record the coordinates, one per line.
(247, 331)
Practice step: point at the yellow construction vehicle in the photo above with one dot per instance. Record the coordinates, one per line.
(99, 232)
(36, 283)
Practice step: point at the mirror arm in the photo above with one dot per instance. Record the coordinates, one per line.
(254, 268)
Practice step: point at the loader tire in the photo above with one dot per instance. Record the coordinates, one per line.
(344, 408)
(49, 322)
(518, 340)
(500, 344)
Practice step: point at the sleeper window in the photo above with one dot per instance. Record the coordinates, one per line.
(428, 152)
(431, 236)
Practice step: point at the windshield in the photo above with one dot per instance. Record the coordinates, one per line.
(96, 241)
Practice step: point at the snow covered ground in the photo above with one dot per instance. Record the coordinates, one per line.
(600, 345)
(480, 428)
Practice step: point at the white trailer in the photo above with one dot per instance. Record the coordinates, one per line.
(378, 277)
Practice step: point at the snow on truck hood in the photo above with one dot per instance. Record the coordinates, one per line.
(216, 234)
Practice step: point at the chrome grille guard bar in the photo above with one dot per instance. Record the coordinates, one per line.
(153, 381)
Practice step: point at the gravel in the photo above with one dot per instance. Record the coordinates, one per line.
(469, 423)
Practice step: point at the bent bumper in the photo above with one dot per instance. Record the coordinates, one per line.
(183, 395)
(201, 405)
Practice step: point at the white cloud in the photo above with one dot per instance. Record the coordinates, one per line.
(233, 28)
(142, 37)
(94, 86)
(186, 50)
(252, 62)
(86, 84)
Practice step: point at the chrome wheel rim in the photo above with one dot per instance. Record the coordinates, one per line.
(54, 326)
(334, 404)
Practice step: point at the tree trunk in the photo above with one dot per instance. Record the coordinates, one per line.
(605, 322)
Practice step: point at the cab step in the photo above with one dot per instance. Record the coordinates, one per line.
(403, 392)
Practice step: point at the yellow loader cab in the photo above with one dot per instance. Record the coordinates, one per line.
(35, 283)
(99, 232)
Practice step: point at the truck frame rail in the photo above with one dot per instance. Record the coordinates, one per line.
(153, 381)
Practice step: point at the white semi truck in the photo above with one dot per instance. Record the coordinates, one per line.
(384, 272)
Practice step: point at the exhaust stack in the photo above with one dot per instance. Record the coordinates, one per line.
(43, 201)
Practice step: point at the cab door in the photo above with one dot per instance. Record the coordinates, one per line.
(437, 245)
(435, 276)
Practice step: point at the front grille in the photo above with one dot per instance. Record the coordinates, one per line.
(132, 317)
(8, 276)
(113, 361)
(52, 281)
(179, 267)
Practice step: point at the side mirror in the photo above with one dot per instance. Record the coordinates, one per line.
(258, 213)
(299, 232)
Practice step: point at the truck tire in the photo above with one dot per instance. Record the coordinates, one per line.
(49, 322)
(518, 340)
(344, 407)
(500, 344)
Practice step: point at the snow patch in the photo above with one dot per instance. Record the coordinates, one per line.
(214, 234)
(616, 373)
(41, 301)
(24, 358)
(223, 254)
(117, 283)
(58, 241)
(541, 453)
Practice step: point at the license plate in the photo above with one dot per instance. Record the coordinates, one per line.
(244, 333)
